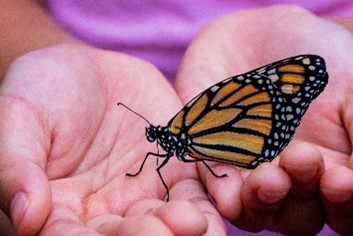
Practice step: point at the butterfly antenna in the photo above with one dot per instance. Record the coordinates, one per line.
(122, 104)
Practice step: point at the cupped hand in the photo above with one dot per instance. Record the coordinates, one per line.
(313, 180)
(66, 148)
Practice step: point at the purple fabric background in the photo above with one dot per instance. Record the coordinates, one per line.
(156, 30)
(159, 31)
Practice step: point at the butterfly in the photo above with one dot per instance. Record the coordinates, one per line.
(244, 120)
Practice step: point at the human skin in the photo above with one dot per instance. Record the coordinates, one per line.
(318, 161)
(67, 146)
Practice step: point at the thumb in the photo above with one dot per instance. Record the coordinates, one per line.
(24, 188)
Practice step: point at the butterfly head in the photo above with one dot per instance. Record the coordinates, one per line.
(163, 137)
(151, 133)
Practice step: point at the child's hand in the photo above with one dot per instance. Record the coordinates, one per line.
(285, 198)
(66, 147)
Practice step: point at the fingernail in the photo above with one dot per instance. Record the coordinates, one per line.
(270, 197)
(18, 207)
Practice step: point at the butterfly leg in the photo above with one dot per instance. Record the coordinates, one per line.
(161, 177)
(212, 172)
(144, 161)
(157, 159)
(167, 157)
(183, 158)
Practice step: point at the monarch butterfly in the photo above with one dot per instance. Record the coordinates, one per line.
(243, 120)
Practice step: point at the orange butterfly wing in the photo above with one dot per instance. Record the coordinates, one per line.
(248, 119)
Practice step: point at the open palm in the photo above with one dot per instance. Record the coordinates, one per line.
(322, 165)
(70, 147)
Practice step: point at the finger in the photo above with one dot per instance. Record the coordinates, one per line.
(189, 211)
(305, 165)
(192, 191)
(132, 225)
(25, 191)
(302, 213)
(262, 195)
(5, 225)
(64, 221)
(143, 225)
(337, 193)
(225, 191)
(105, 224)
(181, 217)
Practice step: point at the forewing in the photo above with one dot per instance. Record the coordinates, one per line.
(248, 119)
